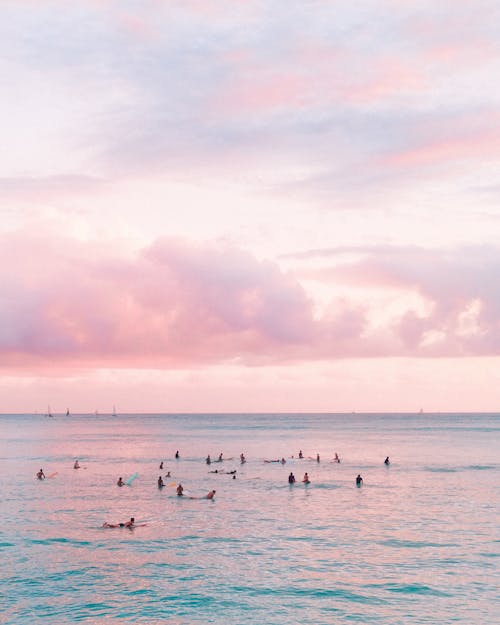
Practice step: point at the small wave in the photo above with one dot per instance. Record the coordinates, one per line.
(490, 554)
(413, 589)
(440, 469)
(413, 544)
(51, 541)
(480, 467)
(6, 544)
(337, 593)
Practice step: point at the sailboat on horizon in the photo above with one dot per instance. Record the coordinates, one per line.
(114, 411)
(49, 413)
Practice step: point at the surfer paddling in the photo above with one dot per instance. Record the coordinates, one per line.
(129, 524)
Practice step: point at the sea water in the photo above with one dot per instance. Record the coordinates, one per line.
(418, 542)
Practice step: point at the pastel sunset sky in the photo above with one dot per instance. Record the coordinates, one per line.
(250, 205)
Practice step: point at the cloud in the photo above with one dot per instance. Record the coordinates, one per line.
(175, 303)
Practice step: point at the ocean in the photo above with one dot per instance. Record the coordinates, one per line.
(418, 542)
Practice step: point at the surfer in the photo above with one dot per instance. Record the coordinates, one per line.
(387, 462)
(160, 482)
(130, 523)
(242, 458)
(177, 455)
(359, 480)
(76, 465)
(180, 491)
(336, 459)
(300, 454)
(291, 478)
(283, 461)
(306, 479)
(220, 457)
(208, 460)
(120, 482)
(210, 495)
(168, 474)
(161, 465)
(317, 457)
(40, 475)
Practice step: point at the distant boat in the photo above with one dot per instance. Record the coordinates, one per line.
(67, 412)
(114, 412)
(49, 413)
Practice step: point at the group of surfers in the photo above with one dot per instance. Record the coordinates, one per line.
(211, 494)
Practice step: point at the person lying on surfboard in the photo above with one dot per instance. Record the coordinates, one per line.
(130, 523)
(210, 495)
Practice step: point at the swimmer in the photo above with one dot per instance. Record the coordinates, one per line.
(336, 459)
(317, 457)
(387, 462)
(231, 472)
(242, 458)
(40, 475)
(217, 471)
(76, 465)
(291, 478)
(120, 482)
(283, 461)
(180, 491)
(306, 479)
(359, 480)
(161, 465)
(210, 495)
(130, 523)
(168, 474)
(208, 460)
(160, 482)
(300, 454)
(234, 477)
(177, 455)
(220, 457)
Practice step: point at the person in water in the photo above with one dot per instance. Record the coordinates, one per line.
(120, 482)
(208, 460)
(210, 495)
(177, 455)
(76, 465)
(317, 458)
(180, 491)
(306, 479)
(387, 462)
(359, 480)
(168, 474)
(242, 458)
(160, 482)
(220, 457)
(40, 475)
(300, 454)
(336, 459)
(291, 478)
(283, 461)
(130, 523)
(161, 465)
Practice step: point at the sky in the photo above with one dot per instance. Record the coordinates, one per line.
(249, 205)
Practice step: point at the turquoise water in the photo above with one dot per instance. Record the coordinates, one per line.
(417, 543)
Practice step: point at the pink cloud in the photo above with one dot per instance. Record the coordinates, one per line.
(176, 304)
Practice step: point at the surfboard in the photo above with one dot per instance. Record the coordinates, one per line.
(52, 475)
(131, 478)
